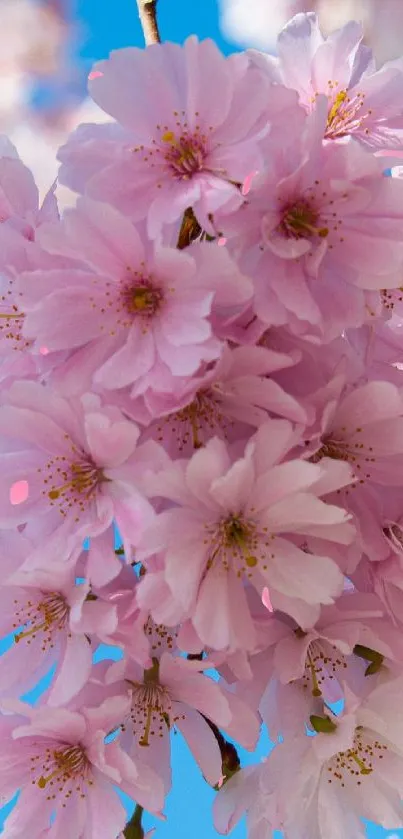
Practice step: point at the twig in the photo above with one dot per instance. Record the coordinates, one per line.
(148, 19)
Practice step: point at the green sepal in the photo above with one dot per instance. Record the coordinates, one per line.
(374, 667)
(376, 659)
(322, 725)
(229, 773)
(134, 829)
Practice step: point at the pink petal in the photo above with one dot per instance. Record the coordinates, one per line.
(266, 599)
(19, 492)
(201, 742)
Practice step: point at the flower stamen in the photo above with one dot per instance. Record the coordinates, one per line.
(301, 221)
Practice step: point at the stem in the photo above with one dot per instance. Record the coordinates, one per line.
(148, 19)
(133, 829)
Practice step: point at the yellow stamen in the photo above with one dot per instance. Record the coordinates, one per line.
(363, 769)
(143, 298)
(316, 691)
(334, 110)
(169, 137)
(144, 741)
(29, 632)
(238, 535)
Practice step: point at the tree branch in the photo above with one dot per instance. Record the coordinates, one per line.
(148, 19)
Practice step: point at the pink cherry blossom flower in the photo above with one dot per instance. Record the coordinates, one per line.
(180, 146)
(174, 694)
(62, 764)
(144, 310)
(235, 394)
(322, 658)
(353, 771)
(47, 612)
(321, 228)
(74, 457)
(365, 429)
(233, 521)
(362, 102)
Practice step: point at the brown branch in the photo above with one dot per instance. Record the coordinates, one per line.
(148, 19)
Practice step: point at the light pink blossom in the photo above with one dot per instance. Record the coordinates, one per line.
(362, 102)
(174, 694)
(62, 764)
(233, 520)
(47, 613)
(74, 457)
(131, 313)
(353, 771)
(226, 400)
(320, 232)
(181, 146)
(365, 428)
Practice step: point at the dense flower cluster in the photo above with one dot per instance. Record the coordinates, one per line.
(201, 444)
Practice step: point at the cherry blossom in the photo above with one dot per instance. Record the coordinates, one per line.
(201, 446)
(143, 309)
(352, 768)
(60, 760)
(233, 518)
(362, 101)
(73, 457)
(185, 149)
(172, 693)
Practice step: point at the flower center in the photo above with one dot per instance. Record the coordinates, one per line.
(345, 115)
(66, 769)
(178, 150)
(47, 616)
(357, 762)
(151, 711)
(142, 299)
(196, 422)
(120, 304)
(185, 153)
(160, 637)
(351, 450)
(301, 221)
(71, 484)
(336, 450)
(322, 664)
(236, 542)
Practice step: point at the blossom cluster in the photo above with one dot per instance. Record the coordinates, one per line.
(201, 444)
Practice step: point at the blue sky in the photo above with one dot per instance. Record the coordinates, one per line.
(107, 25)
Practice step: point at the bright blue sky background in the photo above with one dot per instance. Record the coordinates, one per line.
(107, 25)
